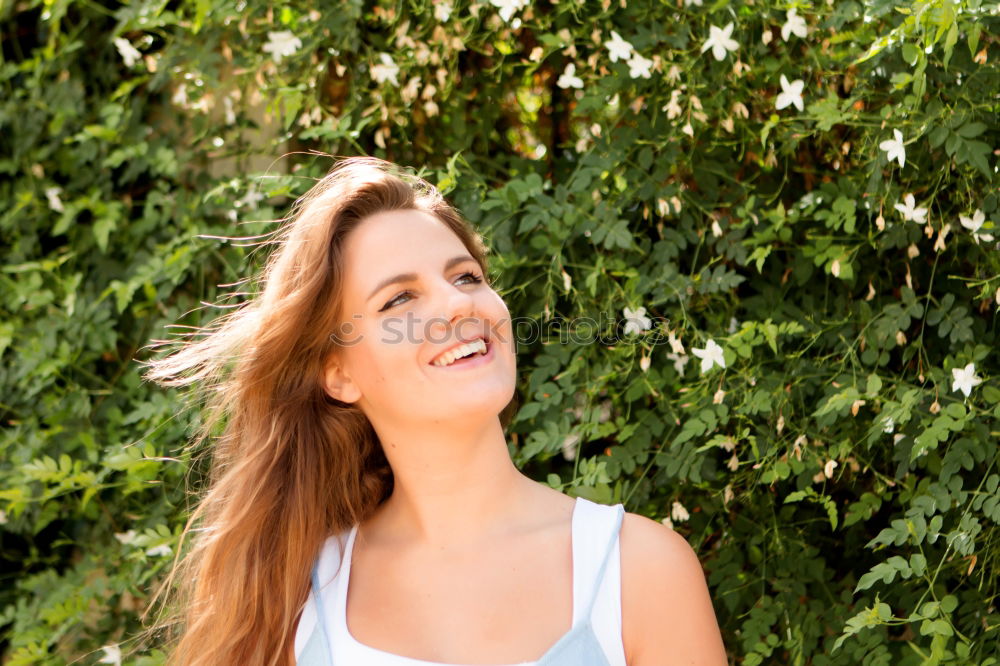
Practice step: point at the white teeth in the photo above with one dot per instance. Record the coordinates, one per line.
(476, 346)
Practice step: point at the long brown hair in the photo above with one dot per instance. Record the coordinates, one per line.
(292, 465)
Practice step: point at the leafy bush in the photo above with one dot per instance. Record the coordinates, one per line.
(771, 227)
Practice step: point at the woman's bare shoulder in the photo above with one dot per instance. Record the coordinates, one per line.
(667, 613)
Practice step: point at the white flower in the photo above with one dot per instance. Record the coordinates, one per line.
(894, 148)
(130, 55)
(672, 108)
(710, 355)
(794, 25)
(157, 551)
(829, 467)
(688, 3)
(636, 321)
(386, 71)
(112, 655)
(125, 537)
(791, 93)
(568, 79)
(669, 523)
(52, 194)
(719, 396)
(964, 379)
(180, 96)
(910, 212)
(252, 197)
(227, 106)
(800, 441)
(678, 512)
(639, 66)
(680, 360)
(618, 48)
(973, 224)
(442, 11)
(508, 7)
(569, 446)
(644, 363)
(281, 44)
(719, 41)
(734, 325)
(675, 344)
(888, 425)
(939, 245)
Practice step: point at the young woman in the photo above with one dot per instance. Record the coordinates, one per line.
(363, 507)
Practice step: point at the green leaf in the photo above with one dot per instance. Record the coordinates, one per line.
(910, 53)
(949, 43)
(973, 36)
(971, 130)
(976, 152)
(937, 136)
(796, 496)
(873, 386)
(883, 571)
(939, 627)
(828, 111)
(103, 227)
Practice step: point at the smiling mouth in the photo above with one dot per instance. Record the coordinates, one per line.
(469, 351)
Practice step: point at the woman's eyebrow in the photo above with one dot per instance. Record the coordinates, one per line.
(410, 277)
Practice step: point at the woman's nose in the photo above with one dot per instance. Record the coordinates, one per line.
(458, 305)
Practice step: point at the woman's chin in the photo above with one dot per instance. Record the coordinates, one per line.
(471, 408)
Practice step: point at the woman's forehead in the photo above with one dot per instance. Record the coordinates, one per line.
(399, 243)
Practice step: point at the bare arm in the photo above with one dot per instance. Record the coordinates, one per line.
(667, 613)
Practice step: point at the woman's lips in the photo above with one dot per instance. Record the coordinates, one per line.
(470, 362)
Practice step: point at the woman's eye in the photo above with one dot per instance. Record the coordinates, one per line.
(475, 279)
(393, 303)
(472, 276)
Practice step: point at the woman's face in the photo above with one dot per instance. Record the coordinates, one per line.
(412, 291)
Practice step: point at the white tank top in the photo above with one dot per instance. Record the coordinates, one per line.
(596, 562)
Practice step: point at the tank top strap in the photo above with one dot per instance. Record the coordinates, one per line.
(322, 625)
(313, 639)
(606, 525)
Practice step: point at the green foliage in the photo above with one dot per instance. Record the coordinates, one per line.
(840, 489)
